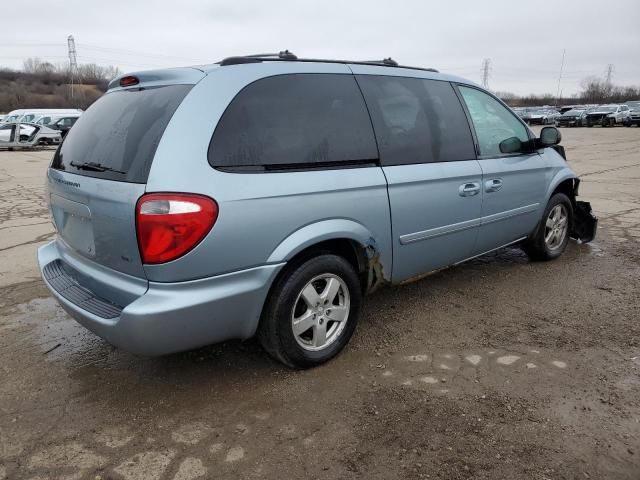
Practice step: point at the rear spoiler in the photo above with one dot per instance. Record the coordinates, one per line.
(154, 78)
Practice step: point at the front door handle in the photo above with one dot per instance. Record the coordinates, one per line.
(493, 185)
(469, 189)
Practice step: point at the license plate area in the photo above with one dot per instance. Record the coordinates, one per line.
(74, 225)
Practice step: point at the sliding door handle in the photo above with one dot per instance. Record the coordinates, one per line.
(493, 185)
(469, 189)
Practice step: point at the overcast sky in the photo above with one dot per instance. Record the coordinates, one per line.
(523, 39)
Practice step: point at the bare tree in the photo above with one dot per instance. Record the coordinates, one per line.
(593, 90)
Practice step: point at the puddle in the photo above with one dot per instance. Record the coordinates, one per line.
(42, 324)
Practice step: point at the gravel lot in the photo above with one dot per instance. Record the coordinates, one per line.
(498, 368)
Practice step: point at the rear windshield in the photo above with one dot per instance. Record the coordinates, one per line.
(117, 137)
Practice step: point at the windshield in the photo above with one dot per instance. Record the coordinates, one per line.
(634, 105)
(120, 132)
(573, 112)
(606, 108)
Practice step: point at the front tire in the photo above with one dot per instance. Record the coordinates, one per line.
(550, 238)
(311, 312)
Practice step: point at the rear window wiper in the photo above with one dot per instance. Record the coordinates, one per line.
(95, 167)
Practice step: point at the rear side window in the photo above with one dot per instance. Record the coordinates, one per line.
(417, 120)
(116, 138)
(294, 121)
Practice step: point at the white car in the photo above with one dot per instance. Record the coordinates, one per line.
(25, 135)
(29, 115)
(608, 115)
(50, 119)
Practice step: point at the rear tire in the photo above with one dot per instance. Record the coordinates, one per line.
(323, 294)
(550, 238)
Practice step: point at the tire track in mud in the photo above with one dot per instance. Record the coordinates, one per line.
(614, 169)
(39, 239)
(21, 202)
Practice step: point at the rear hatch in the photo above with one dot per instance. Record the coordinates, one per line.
(101, 169)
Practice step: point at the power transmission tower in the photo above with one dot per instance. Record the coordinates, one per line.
(486, 67)
(560, 77)
(73, 63)
(610, 69)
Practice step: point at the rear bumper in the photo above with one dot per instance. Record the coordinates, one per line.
(170, 317)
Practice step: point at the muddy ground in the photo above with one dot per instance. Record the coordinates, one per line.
(497, 369)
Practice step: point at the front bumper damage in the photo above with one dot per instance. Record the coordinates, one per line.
(585, 223)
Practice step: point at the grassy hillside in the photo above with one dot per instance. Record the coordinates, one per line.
(46, 90)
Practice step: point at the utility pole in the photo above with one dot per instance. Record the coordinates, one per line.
(610, 69)
(564, 51)
(486, 66)
(73, 63)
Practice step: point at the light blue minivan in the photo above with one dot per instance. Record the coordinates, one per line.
(265, 195)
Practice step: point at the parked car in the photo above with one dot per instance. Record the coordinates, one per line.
(49, 120)
(566, 108)
(540, 117)
(572, 118)
(267, 195)
(25, 135)
(64, 124)
(30, 115)
(634, 113)
(608, 115)
(520, 111)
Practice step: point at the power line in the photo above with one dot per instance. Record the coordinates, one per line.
(119, 62)
(137, 53)
(26, 45)
(22, 57)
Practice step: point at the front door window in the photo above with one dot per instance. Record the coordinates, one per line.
(493, 122)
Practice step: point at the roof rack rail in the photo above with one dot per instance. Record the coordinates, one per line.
(385, 61)
(286, 55)
(259, 57)
(283, 55)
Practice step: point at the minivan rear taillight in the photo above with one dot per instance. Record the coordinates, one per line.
(170, 224)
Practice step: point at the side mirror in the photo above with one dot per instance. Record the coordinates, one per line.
(511, 145)
(550, 136)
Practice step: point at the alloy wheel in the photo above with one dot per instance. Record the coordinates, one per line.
(556, 227)
(320, 312)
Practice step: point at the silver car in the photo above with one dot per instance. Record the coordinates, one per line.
(265, 195)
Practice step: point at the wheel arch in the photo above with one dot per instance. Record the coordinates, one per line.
(343, 237)
(585, 224)
(566, 182)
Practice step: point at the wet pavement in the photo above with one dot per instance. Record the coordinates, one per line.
(498, 368)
